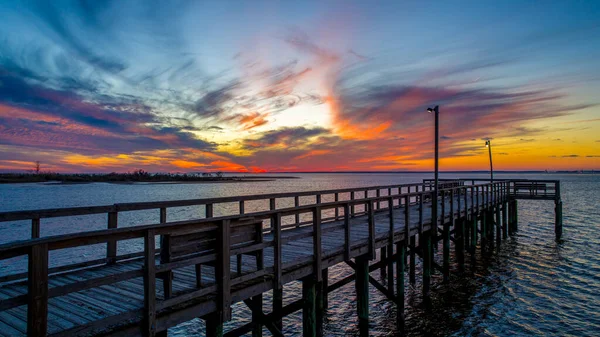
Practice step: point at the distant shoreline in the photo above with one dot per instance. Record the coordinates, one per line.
(129, 178)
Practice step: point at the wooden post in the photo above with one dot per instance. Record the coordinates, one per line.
(277, 258)
(337, 209)
(111, 246)
(209, 210)
(325, 284)
(163, 215)
(149, 284)
(459, 245)
(425, 246)
(317, 249)
(257, 304)
(400, 266)
(516, 214)
(214, 328)
(347, 237)
(390, 246)
(473, 234)
(498, 226)
(272, 207)
(297, 216)
(484, 230)
(320, 292)
(222, 271)
(412, 260)
(242, 207)
(383, 257)
(352, 207)
(558, 223)
(37, 291)
(504, 220)
(446, 236)
(362, 293)
(35, 228)
(309, 309)
(278, 307)
(371, 219)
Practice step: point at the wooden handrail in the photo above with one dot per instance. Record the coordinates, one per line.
(38, 249)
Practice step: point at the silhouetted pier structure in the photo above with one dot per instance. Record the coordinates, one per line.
(200, 267)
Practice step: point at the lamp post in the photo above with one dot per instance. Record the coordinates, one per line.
(488, 144)
(436, 111)
(434, 202)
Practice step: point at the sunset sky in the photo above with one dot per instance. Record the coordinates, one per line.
(187, 86)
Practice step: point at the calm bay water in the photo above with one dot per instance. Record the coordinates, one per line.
(531, 285)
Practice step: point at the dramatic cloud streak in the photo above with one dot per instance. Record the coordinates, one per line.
(116, 86)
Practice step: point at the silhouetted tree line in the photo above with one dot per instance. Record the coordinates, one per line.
(135, 176)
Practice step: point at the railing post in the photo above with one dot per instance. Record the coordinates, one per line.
(163, 215)
(352, 207)
(37, 291)
(371, 218)
(149, 284)
(223, 271)
(111, 245)
(347, 237)
(272, 207)
(297, 216)
(317, 237)
(277, 264)
(337, 208)
(390, 247)
(209, 210)
(242, 207)
(35, 228)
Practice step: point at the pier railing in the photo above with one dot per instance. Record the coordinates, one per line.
(454, 202)
(207, 207)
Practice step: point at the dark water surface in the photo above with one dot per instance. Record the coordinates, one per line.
(529, 286)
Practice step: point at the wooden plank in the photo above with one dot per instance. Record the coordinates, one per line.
(37, 289)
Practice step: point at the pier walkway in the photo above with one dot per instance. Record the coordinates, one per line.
(200, 267)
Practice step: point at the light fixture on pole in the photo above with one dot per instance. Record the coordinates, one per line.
(488, 144)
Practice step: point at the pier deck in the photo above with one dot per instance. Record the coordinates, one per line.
(125, 295)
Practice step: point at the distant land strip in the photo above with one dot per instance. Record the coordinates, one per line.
(131, 177)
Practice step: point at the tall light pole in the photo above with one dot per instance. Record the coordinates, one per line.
(436, 111)
(434, 202)
(488, 144)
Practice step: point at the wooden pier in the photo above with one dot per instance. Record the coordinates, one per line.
(200, 267)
